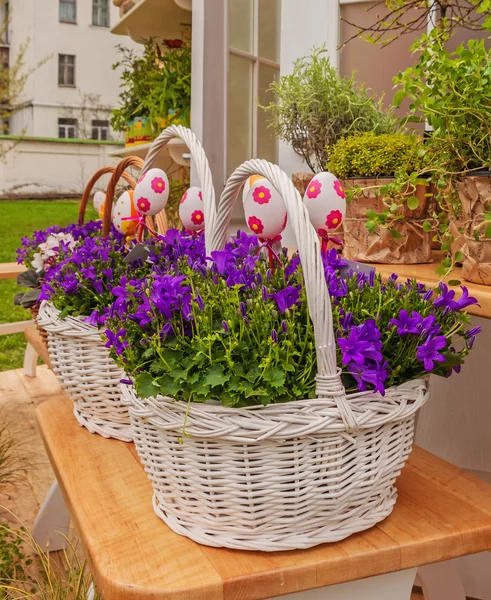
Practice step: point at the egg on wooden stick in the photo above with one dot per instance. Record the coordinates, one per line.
(98, 200)
(151, 192)
(125, 215)
(325, 201)
(191, 211)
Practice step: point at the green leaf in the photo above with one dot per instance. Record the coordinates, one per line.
(459, 257)
(371, 226)
(399, 97)
(412, 203)
(487, 233)
(215, 376)
(395, 234)
(476, 235)
(427, 226)
(28, 278)
(168, 387)
(371, 214)
(145, 385)
(275, 376)
(453, 282)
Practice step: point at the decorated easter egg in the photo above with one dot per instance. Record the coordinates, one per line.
(191, 211)
(264, 209)
(247, 185)
(125, 215)
(151, 192)
(326, 202)
(98, 199)
(101, 209)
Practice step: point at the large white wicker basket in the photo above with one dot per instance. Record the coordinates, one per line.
(284, 476)
(78, 354)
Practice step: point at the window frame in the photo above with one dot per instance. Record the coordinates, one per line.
(100, 125)
(98, 8)
(67, 125)
(256, 62)
(66, 67)
(70, 3)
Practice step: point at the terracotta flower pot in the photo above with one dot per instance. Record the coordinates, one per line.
(381, 246)
(475, 195)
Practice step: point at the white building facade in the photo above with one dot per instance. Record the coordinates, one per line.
(72, 87)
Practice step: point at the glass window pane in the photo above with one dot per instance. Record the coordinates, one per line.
(239, 120)
(267, 144)
(269, 29)
(240, 24)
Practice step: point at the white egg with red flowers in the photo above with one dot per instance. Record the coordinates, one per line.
(191, 211)
(325, 201)
(264, 209)
(247, 185)
(98, 200)
(125, 215)
(151, 192)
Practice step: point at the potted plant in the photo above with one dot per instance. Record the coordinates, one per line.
(369, 165)
(232, 381)
(452, 89)
(156, 91)
(314, 107)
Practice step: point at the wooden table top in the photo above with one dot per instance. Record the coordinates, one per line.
(442, 513)
(10, 270)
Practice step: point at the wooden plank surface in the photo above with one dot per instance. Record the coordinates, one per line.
(10, 270)
(32, 337)
(442, 513)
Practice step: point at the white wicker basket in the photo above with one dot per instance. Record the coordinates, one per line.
(78, 354)
(87, 372)
(288, 475)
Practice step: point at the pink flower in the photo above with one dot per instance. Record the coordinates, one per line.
(200, 196)
(314, 188)
(185, 195)
(255, 225)
(261, 195)
(143, 205)
(142, 178)
(334, 219)
(158, 185)
(198, 218)
(338, 188)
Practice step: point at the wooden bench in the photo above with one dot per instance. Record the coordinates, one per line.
(10, 270)
(442, 513)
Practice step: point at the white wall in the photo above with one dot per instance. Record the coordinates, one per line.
(95, 51)
(50, 169)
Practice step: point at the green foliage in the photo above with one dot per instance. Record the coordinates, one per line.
(453, 92)
(314, 107)
(154, 84)
(13, 559)
(370, 155)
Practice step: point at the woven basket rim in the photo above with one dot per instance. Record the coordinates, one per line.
(371, 409)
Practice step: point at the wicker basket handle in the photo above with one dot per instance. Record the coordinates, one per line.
(88, 189)
(328, 378)
(200, 161)
(119, 171)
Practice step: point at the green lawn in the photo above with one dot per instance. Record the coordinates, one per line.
(20, 218)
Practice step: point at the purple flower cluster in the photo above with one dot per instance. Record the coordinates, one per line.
(362, 354)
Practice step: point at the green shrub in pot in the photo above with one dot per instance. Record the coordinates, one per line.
(452, 91)
(314, 107)
(385, 221)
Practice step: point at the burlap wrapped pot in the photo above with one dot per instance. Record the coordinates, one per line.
(475, 196)
(413, 247)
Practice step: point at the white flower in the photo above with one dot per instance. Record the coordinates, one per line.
(37, 262)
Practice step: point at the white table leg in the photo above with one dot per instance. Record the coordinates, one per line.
(441, 581)
(393, 586)
(52, 521)
(30, 361)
